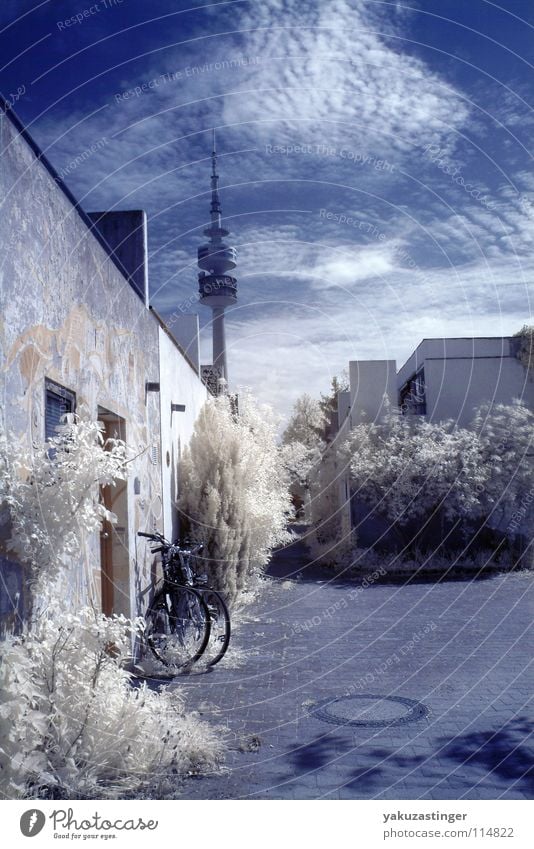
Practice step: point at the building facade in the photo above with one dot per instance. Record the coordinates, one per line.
(450, 378)
(442, 379)
(77, 334)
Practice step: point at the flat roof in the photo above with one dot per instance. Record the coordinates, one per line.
(452, 339)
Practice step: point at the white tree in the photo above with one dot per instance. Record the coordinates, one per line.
(235, 494)
(306, 424)
(303, 445)
(299, 460)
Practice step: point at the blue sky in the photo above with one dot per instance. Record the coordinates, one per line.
(374, 161)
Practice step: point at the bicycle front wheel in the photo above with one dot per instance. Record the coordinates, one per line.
(220, 627)
(178, 626)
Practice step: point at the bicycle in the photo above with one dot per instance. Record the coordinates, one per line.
(186, 619)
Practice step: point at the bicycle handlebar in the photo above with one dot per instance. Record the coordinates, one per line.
(193, 549)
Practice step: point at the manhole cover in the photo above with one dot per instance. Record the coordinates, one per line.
(368, 710)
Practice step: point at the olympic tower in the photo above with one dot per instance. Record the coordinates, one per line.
(217, 288)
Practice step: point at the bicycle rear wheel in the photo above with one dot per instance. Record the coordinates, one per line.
(178, 626)
(220, 627)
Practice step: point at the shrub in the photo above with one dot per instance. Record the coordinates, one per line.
(411, 472)
(506, 437)
(71, 723)
(525, 349)
(51, 492)
(235, 496)
(72, 726)
(409, 469)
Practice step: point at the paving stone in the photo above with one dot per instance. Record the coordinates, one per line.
(471, 670)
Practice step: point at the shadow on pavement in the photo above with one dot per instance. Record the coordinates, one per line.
(317, 753)
(295, 562)
(501, 752)
(475, 759)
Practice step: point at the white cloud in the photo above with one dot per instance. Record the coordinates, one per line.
(332, 62)
(354, 266)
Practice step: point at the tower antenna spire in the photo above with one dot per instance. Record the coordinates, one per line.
(215, 209)
(217, 288)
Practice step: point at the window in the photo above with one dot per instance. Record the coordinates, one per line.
(412, 395)
(58, 402)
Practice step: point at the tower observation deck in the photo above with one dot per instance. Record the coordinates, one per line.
(217, 288)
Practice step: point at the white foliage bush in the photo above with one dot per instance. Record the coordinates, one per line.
(525, 352)
(409, 471)
(329, 541)
(506, 437)
(51, 491)
(235, 496)
(71, 723)
(407, 468)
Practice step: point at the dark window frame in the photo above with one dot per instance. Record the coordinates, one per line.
(67, 396)
(412, 396)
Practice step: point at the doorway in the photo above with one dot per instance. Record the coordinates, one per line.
(114, 553)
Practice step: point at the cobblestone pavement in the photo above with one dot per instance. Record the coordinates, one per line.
(461, 648)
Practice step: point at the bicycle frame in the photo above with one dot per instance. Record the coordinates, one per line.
(178, 573)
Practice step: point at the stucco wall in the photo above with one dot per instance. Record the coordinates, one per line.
(179, 385)
(69, 315)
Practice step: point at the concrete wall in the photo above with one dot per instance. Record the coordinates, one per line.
(68, 314)
(125, 232)
(371, 381)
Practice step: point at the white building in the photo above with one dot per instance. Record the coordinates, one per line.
(77, 332)
(442, 379)
(449, 378)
